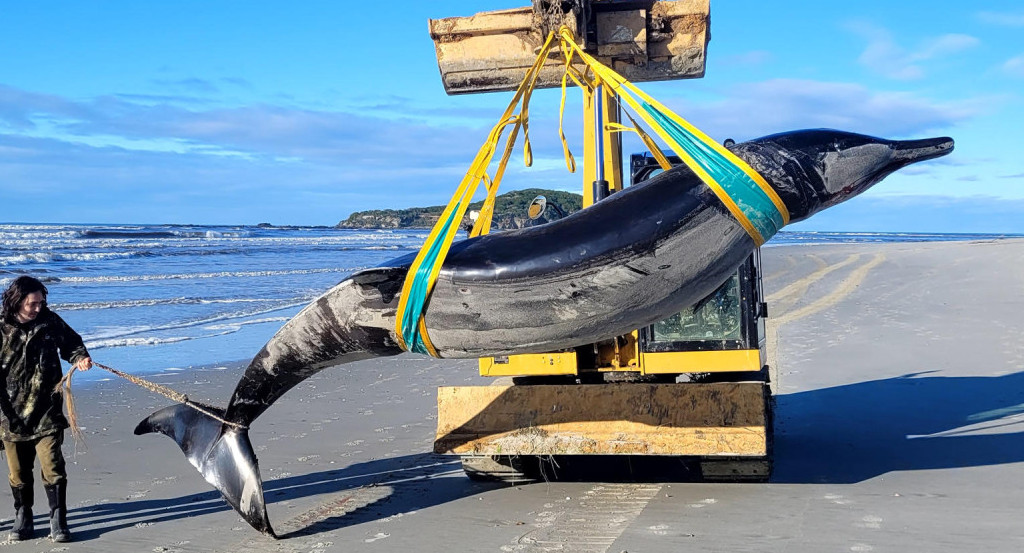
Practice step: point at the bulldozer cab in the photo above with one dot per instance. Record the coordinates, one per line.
(723, 332)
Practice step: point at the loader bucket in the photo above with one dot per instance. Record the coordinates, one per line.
(642, 41)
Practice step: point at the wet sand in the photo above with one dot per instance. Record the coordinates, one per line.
(899, 376)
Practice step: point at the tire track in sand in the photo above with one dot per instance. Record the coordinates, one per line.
(587, 524)
(792, 292)
(847, 286)
(796, 290)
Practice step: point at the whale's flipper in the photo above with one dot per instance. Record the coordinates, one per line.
(222, 454)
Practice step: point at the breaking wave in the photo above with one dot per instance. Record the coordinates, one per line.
(100, 336)
(199, 276)
(121, 304)
(30, 258)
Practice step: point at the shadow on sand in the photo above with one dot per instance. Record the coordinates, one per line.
(843, 434)
(851, 433)
(406, 483)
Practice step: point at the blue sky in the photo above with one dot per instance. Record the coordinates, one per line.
(245, 112)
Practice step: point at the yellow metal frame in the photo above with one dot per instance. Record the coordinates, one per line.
(529, 364)
(611, 140)
(676, 362)
(673, 362)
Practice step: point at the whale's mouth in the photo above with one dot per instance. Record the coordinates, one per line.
(912, 151)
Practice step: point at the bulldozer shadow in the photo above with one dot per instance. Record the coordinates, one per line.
(854, 432)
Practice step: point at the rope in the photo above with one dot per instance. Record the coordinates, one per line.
(410, 326)
(64, 386)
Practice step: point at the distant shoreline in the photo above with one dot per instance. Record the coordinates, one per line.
(786, 231)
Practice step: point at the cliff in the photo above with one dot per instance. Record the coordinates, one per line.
(510, 211)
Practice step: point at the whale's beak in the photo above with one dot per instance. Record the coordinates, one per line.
(912, 151)
(838, 165)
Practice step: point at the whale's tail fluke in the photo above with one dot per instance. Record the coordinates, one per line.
(222, 454)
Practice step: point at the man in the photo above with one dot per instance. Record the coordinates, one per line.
(32, 341)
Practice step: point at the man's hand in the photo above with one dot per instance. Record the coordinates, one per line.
(84, 364)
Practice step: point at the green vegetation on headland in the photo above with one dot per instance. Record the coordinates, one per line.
(510, 211)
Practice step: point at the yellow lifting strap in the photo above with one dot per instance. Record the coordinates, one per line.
(754, 204)
(419, 282)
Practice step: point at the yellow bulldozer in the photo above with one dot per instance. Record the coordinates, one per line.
(691, 388)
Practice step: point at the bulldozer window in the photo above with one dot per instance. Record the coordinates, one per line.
(716, 317)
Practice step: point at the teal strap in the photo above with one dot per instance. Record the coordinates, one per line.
(752, 201)
(418, 292)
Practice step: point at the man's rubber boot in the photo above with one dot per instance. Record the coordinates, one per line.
(58, 498)
(22, 529)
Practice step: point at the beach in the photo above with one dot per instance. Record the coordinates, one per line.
(898, 370)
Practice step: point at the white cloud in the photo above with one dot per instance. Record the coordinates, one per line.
(776, 105)
(754, 57)
(943, 45)
(1015, 66)
(264, 161)
(18, 108)
(119, 147)
(260, 131)
(884, 55)
(1002, 18)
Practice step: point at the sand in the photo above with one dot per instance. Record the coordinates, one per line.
(899, 376)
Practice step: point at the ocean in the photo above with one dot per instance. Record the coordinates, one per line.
(155, 298)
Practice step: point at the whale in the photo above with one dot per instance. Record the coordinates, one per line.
(625, 262)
